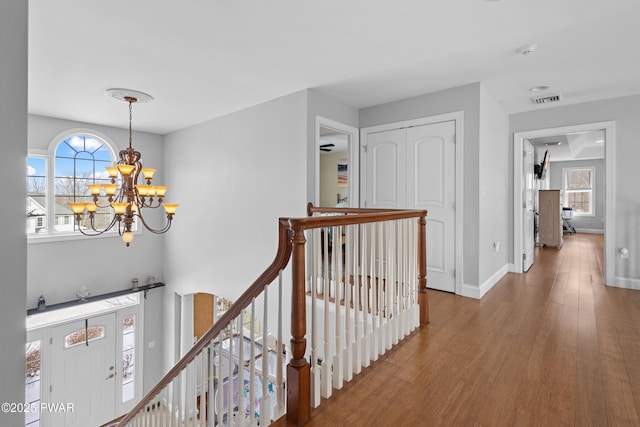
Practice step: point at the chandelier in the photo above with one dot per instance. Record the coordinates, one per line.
(127, 199)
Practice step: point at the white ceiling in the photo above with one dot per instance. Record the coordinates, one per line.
(201, 59)
(572, 146)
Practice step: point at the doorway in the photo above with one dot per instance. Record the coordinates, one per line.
(337, 164)
(554, 140)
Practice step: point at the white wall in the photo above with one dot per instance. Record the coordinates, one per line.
(586, 223)
(57, 270)
(625, 112)
(13, 245)
(235, 175)
(494, 206)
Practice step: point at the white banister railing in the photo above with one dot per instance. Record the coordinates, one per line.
(365, 290)
(362, 297)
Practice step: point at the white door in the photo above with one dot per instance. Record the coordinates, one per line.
(431, 183)
(414, 168)
(528, 214)
(84, 372)
(386, 169)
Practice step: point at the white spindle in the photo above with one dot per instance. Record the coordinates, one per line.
(265, 401)
(357, 283)
(337, 368)
(348, 289)
(240, 417)
(315, 369)
(252, 367)
(325, 373)
(280, 405)
(366, 297)
(220, 375)
(374, 293)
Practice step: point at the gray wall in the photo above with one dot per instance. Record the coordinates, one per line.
(494, 202)
(13, 245)
(236, 175)
(586, 223)
(625, 111)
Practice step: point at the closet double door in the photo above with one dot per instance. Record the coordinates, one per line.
(414, 168)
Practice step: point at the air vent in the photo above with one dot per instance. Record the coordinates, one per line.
(546, 99)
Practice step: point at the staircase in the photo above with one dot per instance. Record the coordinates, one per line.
(356, 287)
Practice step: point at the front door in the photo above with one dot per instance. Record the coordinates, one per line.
(529, 212)
(414, 168)
(84, 372)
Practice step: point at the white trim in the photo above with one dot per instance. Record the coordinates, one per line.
(354, 157)
(590, 230)
(478, 292)
(458, 117)
(518, 139)
(627, 283)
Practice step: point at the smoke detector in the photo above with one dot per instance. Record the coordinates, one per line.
(528, 50)
(546, 99)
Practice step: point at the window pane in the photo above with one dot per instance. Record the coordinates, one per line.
(32, 387)
(580, 201)
(128, 357)
(79, 336)
(578, 179)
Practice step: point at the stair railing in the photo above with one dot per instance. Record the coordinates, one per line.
(368, 272)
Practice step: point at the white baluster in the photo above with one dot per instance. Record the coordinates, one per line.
(280, 404)
(337, 368)
(348, 289)
(219, 395)
(240, 417)
(252, 367)
(357, 283)
(325, 372)
(375, 285)
(315, 368)
(265, 401)
(366, 296)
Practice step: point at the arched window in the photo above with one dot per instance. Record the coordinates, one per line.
(75, 158)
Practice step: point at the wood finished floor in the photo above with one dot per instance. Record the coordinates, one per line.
(550, 347)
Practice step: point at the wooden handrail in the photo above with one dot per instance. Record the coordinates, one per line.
(291, 240)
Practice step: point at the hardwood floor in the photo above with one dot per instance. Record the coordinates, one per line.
(550, 347)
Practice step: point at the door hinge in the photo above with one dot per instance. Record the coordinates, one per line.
(364, 148)
(524, 257)
(50, 389)
(524, 153)
(51, 340)
(524, 205)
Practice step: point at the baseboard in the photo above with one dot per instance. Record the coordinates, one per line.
(476, 292)
(626, 283)
(512, 268)
(589, 230)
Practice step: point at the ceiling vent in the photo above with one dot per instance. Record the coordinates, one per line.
(546, 99)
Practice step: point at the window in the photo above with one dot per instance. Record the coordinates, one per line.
(33, 388)
(128, 357)
(74, 160)
(84, 336)
(579, 192)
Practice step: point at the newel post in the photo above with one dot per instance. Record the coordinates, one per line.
(298, 369)
(423, 296)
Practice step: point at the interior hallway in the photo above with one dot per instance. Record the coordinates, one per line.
(550, 347)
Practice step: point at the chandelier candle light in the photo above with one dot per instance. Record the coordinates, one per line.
(128, 198)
